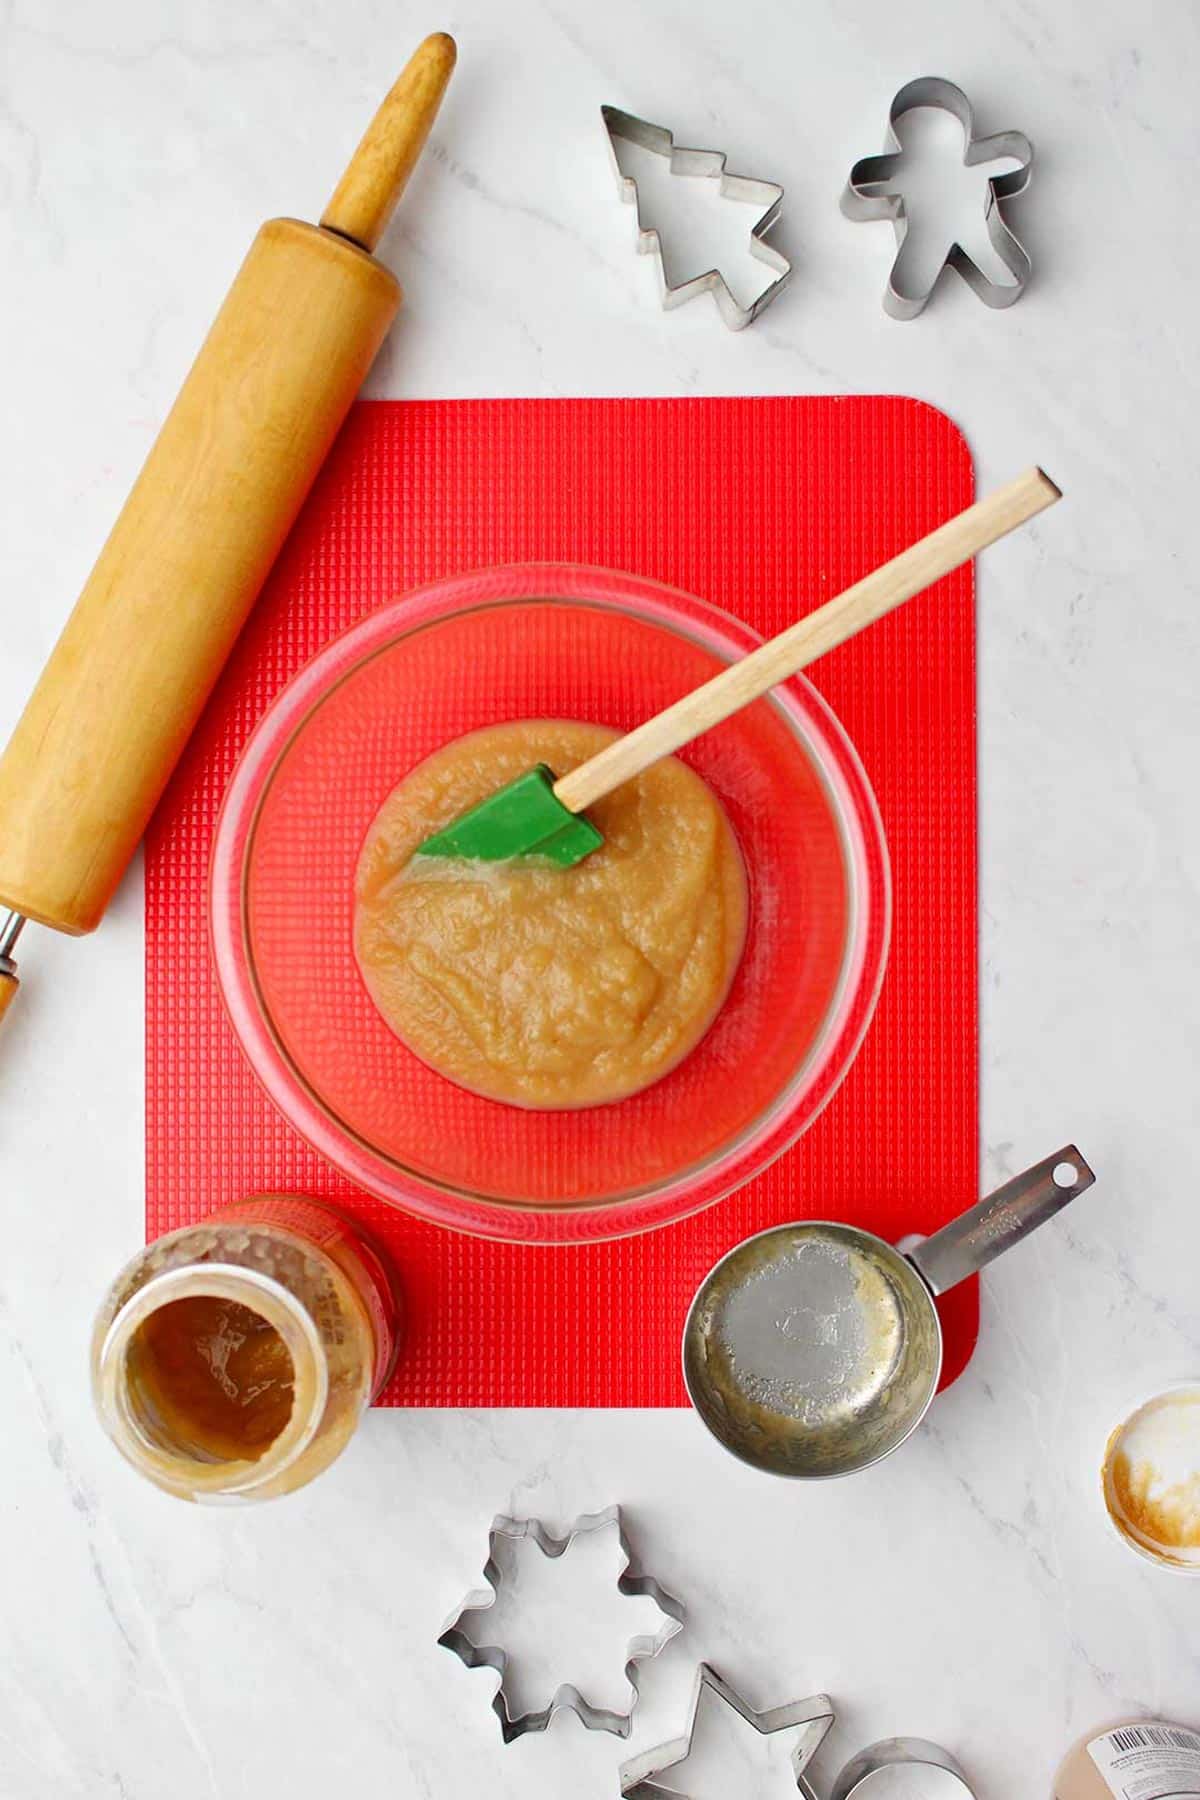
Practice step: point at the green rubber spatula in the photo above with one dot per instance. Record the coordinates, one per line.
(543, 816)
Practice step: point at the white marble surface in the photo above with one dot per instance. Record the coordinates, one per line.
(966, 1589)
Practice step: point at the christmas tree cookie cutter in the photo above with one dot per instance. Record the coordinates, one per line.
(630, 1581)
(812, 1718)
(872, 192)
(622, 127)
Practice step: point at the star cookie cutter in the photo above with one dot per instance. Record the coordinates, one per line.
(812, 1718)
(630, 1581)
(870, 194)
(622, 127)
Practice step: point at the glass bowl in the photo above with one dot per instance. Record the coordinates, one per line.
(544, 641)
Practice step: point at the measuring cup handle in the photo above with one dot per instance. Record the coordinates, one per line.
(969, 1243)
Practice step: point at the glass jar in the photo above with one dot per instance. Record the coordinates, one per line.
(1150, 1477)
(233, 1359)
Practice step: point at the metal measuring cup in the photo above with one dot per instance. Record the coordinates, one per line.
(815, 1349)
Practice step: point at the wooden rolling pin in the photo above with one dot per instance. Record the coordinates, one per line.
(185, 562)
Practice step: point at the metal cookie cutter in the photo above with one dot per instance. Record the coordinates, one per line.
(623, 127)
(870, 193)
(812, 1718)
(490, 1656)
(907, 1752)
(11, 927)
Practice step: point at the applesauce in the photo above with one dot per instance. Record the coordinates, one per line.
(217, 1373)
(541, 986)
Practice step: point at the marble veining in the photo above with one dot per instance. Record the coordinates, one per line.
(967, 1589)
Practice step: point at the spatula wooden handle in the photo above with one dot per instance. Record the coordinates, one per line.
(859, 606)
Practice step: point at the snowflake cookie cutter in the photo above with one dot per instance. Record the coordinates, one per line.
(870, 194)
(623, 127)
(631, 1581)
(812, 1718)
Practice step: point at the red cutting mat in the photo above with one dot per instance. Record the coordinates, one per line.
(766, 507)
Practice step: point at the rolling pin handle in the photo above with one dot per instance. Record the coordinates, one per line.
(366, 196)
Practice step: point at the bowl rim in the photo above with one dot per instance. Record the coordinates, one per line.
(797, 1105)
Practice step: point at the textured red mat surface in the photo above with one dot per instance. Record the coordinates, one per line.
(765, 507)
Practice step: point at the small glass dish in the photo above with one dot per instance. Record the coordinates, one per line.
(544, 641)
(1150, 1477)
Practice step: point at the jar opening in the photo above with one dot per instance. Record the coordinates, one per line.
(209, 1379)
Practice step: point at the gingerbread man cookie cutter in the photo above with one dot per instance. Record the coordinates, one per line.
(873, 192)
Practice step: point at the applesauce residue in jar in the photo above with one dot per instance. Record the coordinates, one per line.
(1151, 1477)
(232, 1359)
(215, 1375)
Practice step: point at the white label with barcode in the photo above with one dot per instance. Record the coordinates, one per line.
(1148, 1762)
